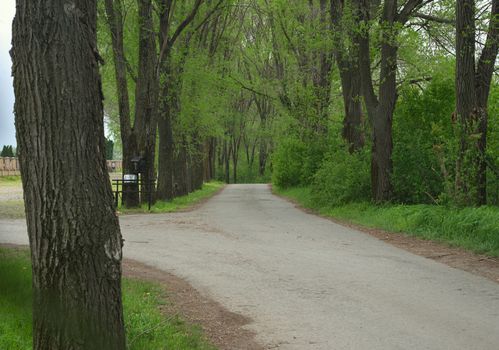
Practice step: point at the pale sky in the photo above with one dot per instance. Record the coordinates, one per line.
(7, 131)
(7, 128)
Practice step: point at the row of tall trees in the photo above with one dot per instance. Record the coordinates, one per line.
(220, 83)
(217, 82)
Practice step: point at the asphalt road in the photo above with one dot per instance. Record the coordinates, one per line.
(308, 283)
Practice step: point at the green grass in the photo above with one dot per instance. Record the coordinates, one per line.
(10, 180)
(15, 300)
(179, 203)
(147, 328)
(11, 209)
(475, 229)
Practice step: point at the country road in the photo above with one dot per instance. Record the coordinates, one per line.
(308, 283)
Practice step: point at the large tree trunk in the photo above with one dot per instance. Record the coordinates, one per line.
(380, 111)
(74, 234)
(348, 65)
(472, 92)
(352, 122)
(485, 69)
(146, 93)
(166, 150)
(381, 155)
(465, 93)
(180, 171)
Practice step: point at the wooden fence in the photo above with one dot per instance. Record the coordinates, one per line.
(10, 166)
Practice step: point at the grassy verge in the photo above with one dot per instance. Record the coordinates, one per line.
(11, 206)
(11, 209)
(146, 326)
(475, 229)
(179, 203)
(10, 180)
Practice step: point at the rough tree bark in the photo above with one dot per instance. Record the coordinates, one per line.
(128, 136)
(168, 100)
(140, 139)
(75, 239)
(472, 92)
(380, 107)
(348, 66)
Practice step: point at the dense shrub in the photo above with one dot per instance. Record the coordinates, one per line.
(288, 160)
(424, 141)
(342, 178)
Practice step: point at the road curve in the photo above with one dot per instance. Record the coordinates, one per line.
(307, 282)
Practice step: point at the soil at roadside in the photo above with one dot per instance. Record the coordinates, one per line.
(223, 328)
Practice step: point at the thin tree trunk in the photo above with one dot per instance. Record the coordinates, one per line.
(213, 152)
(262, 158)
(74, 234)
(226, 161)
(128, 136)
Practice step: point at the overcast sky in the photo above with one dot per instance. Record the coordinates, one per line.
(7, 132)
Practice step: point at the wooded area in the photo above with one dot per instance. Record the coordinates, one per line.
(363, 100)
(359, 100)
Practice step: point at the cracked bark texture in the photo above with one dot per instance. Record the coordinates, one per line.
(74, 234)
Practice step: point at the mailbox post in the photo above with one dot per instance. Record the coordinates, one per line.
(136, 184)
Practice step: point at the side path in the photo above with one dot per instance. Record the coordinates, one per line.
(309, 283)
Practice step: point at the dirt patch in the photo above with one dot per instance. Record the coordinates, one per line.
(458, 258)
(223, 328)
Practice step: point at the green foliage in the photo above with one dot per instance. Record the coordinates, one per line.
(10, 181)
(7, 151)
(342, 178)
(475, 229)
(146, 326)
(15, 299)
(109, 149)
(424, 143)
(493, 146)
(288, 160)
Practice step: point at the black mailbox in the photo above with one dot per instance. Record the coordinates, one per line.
(139, 164)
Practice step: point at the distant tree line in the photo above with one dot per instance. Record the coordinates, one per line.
(8, 151)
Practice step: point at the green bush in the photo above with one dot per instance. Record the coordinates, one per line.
(288, 161)
(342, 178)
(423, 141)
